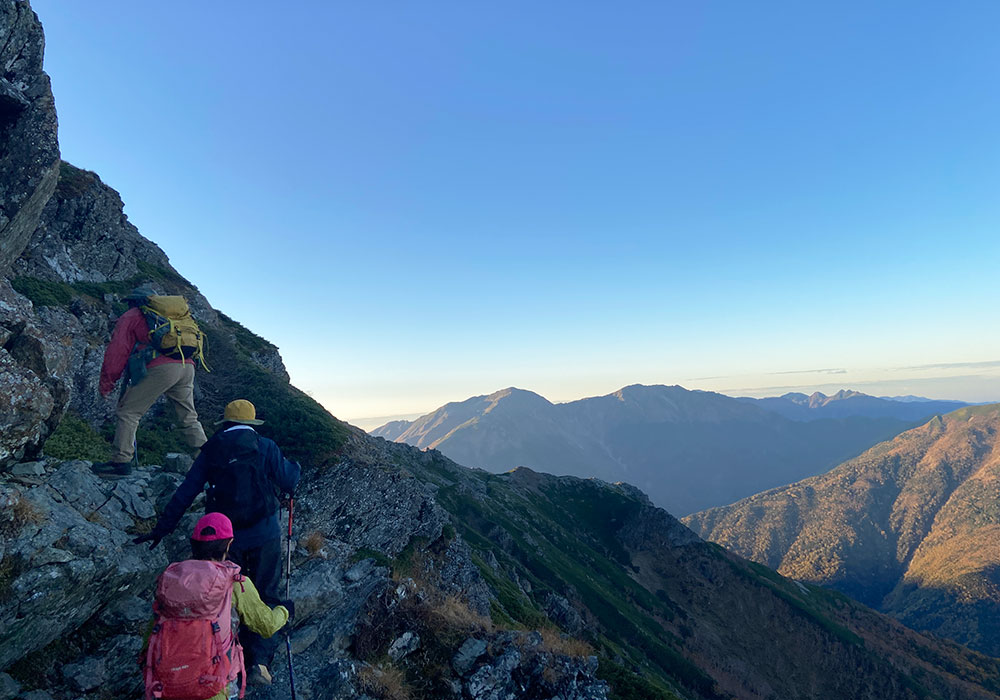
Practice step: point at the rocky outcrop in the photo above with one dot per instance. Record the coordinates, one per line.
(26, 403)
(29, 150)
(50, 359)
(74, 589)
(84, 235)
(67, 553)
(57, 317)
(522, 665)
(29, 161)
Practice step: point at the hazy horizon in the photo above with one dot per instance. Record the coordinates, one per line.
(368, 423)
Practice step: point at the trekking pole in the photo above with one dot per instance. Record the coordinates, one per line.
(126, 380)
(288, 581)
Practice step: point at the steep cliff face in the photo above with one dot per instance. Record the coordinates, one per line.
(26, 404)
(29, 161)
(29, 157)
(83, 235)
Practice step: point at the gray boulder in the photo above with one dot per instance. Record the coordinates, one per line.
(467, 655)
(85, 675)
(562, 612)
(178, 462)
(9, 688)
(70, 555)
(405, 644)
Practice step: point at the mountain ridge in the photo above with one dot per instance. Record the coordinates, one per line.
(687, 449)
(847, 402)
(909, 527)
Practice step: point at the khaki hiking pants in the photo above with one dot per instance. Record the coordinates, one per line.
(175, 380)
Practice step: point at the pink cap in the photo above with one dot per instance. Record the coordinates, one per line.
(218, 525)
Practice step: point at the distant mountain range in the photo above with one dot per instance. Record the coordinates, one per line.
(845, 403)
(688, 450)
(911, 527)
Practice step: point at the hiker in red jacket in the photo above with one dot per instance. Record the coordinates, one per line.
(164, 375)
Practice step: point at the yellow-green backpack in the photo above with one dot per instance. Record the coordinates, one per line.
(172, 330)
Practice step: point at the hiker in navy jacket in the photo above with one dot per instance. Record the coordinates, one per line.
(244, 472)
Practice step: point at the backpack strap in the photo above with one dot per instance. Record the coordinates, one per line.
(154, 689)
(237, 661)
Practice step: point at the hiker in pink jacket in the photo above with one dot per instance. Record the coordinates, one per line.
(193, 608)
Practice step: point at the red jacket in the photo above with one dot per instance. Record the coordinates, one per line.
(130, 329)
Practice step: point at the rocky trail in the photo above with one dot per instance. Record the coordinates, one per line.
(75, 593)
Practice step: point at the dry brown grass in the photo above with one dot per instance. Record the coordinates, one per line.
(314, 543)
(441, 610)
(384, 682)
(27, 512)
(22, 512)
(451, 612)
(555, 643)
(141, 526)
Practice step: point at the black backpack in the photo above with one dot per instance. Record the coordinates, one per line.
(238, 487)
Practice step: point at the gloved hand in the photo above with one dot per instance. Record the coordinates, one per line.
(153, 538)
(289, 605)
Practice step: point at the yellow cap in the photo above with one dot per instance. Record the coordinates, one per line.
(241, 411)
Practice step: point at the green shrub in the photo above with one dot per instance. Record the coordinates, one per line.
(97, 290)
(626, 685)
(157, 436)
(156, 273)
(73, 181)
(245, 338)
(43, 292)
(75, 439)
(366, 553)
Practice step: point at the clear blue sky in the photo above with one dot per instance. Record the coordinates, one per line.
(419, 202)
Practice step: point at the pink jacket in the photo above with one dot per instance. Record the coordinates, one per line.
(130, 329)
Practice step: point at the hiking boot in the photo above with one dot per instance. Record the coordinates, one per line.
(111, 468)
(259, 675)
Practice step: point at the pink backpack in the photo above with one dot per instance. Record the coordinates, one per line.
(193, 651)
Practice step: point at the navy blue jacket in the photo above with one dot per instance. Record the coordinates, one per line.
(284, 474)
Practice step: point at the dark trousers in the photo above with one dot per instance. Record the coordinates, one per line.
(262, 564)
